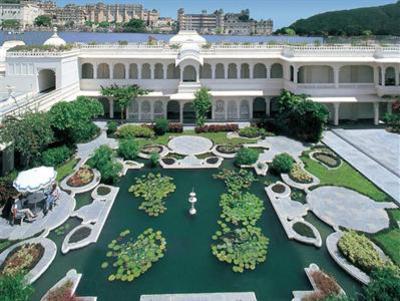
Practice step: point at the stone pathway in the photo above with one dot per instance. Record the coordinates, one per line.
(190, 145)
(281, 144)
(53, 219)
(342, 207)
(85, 150)
(370, 168)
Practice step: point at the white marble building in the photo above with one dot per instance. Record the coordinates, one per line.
(243, 79)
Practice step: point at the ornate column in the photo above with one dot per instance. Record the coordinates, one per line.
(251, 67)
(126, 71)
(376, 113)
(152, 110)
(336, 72)
(95, 71)
(295, 74)
(139, 71)
(181, 112)
(396, 76)
(268, 106)
(383, 71)
(226, 109)
(111, 104)
(165, 70)
(151, 71)
(336, 107)
(111, 71)
(226, 66)
(212, 71)
(268, 71)
(376, 76)
(238, 70)
(238, 109)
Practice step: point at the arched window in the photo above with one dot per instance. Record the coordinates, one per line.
(47, 80)
(219, 110)
(205, 71)
(133, 111)
(232, 71)
(390, 76)
(189, 74)
(232, 110)
(119, 71)
(87, 71)
(245, 71)
(356, 74)
(103, 71)
(146, 73)
(173, 110)
(173, 72)
(276, 71)
(244, 110)
(317, 74)
(158, 71)
(145, 110)
(219, 71)
(158, 109)
(133, 71)
(259, 107)
(259, 71)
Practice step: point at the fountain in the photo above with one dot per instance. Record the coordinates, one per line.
(192, 201)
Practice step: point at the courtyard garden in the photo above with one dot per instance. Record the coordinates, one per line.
(267, 207)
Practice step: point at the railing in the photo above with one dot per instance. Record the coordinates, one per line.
(41, 101)
(41, 53)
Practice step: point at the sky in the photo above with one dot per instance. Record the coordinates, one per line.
(282, 12)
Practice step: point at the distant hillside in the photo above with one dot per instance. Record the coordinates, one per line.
(380, 20)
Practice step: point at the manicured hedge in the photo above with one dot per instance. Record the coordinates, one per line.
(135, 131)
(246, 156)
(128, 149)
(56, 155)
(214, 128)
(282, 163)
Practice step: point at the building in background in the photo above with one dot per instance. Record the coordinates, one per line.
(119, 13)
(218, 22)
(203, 23)
(25, 12)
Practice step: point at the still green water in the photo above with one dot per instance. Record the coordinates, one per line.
(188, 265)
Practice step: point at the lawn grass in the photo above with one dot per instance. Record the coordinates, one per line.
(389, 241)
(217, 138)
(345, 176)
(66, 169)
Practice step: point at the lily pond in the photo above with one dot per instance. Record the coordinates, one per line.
(188, 265)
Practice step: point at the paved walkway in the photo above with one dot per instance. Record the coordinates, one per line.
(338, 206)
(281, 144)
(85, 150)
(365, 163)
(190, 145)
(201, 297)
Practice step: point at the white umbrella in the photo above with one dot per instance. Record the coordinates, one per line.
(35, 179)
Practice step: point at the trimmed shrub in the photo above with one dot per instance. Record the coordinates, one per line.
(246, 156)
(282, 163)
(384, 285)
(299, 175)
(56, 155)
(103, 160)
(175, 128)
(15, 288)
(154, 157)
(161, 126)
(128, 149)
(112, 127)
(135, 131)
(214, 128)
(358, 249)
(250, 132)
(86, 132)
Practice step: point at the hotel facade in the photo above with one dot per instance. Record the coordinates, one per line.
(354, 82)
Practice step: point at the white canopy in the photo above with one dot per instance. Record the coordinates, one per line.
(35, 179)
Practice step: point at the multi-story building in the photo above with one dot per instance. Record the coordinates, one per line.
(237, 25)
(150, 17)
(243, 80)
(25, 12)
(119, 13)
(69, 15)
(203, 23)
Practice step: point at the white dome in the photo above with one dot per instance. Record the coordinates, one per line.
(12, 43)
(55, 40)
(187, 36)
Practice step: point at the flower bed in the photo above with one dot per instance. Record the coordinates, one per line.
(151, 148)
(227, 148)
(251, 132)
(328, 159)
(22, 259)
(244, 248)
(175, 127)
(82, 177)
(299, 175)
(133, 258)
(360, 251)
(241, 208)
(303, 229)
(103, 190)
(214, 128)
(212, 160)
(168, 161)
(62, 293)
(153, 189)
(80, 234)
(325, 286)
(278, 188)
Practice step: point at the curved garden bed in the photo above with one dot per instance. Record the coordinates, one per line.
(326, 157)
(32, 257)
(101, 192)
(280, 190)
(91, 178)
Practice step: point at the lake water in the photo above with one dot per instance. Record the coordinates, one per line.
(85, 37)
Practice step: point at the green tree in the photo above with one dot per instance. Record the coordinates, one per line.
(12, 23)
(123, 95)
(104, 24)
(72, 121)
(30, 133)
(135, 25)
(14, 288)
(384, 285)
(43, 20)
(202, 105)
